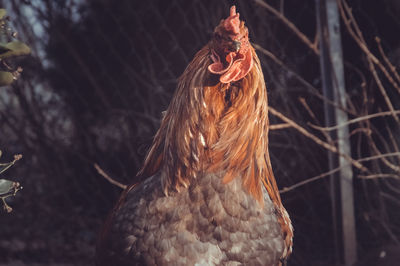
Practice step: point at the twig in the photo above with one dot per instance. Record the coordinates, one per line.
(315, 178)
(279, 126)
(303, 102)
(312, 179)
(8, 165)
(316, 139)
(393, 140)
(383, 91)
(379, 156)
(109, 179)
(387, 61)
(290, 25)
(364, 130)
(394, 167)
(280, 63)
(379, 176)
(350, 21)
(358, 119)
(311, 113)
(311, 88)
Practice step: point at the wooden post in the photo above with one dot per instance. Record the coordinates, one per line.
(329, 116)
(333, 78)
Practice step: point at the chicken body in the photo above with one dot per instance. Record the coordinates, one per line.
(206, 193)
(208, 223)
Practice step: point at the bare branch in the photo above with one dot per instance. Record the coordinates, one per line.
(109, 179)
(279, 126)
(355, 32)
(387, 61)
(17, 157)
(358, 119)
(312, 179)
(290, 25)
(316, 139)
(306, 84)
(379, 176)
(315, 178)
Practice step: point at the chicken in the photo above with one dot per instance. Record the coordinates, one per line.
(207, 194)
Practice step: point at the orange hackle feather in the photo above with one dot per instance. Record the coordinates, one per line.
(212, 126)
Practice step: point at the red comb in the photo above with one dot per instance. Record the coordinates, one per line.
(232, 23)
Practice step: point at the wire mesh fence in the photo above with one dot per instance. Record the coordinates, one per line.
(102, 72)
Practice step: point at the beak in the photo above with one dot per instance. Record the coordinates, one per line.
(236, 46)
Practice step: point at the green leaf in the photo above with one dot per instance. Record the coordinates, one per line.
(7, 189)
(6, 186)
(6, 78)
(3, 13)
(15, 48)
(3, 48)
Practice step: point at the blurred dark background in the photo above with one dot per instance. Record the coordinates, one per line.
(102, 71)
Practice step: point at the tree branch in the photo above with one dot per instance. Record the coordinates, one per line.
(109, 179)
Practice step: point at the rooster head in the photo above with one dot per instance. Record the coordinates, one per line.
(230, 49)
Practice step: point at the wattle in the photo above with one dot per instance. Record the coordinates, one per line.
(238, 65)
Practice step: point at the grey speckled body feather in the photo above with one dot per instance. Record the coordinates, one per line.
(208, 223)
